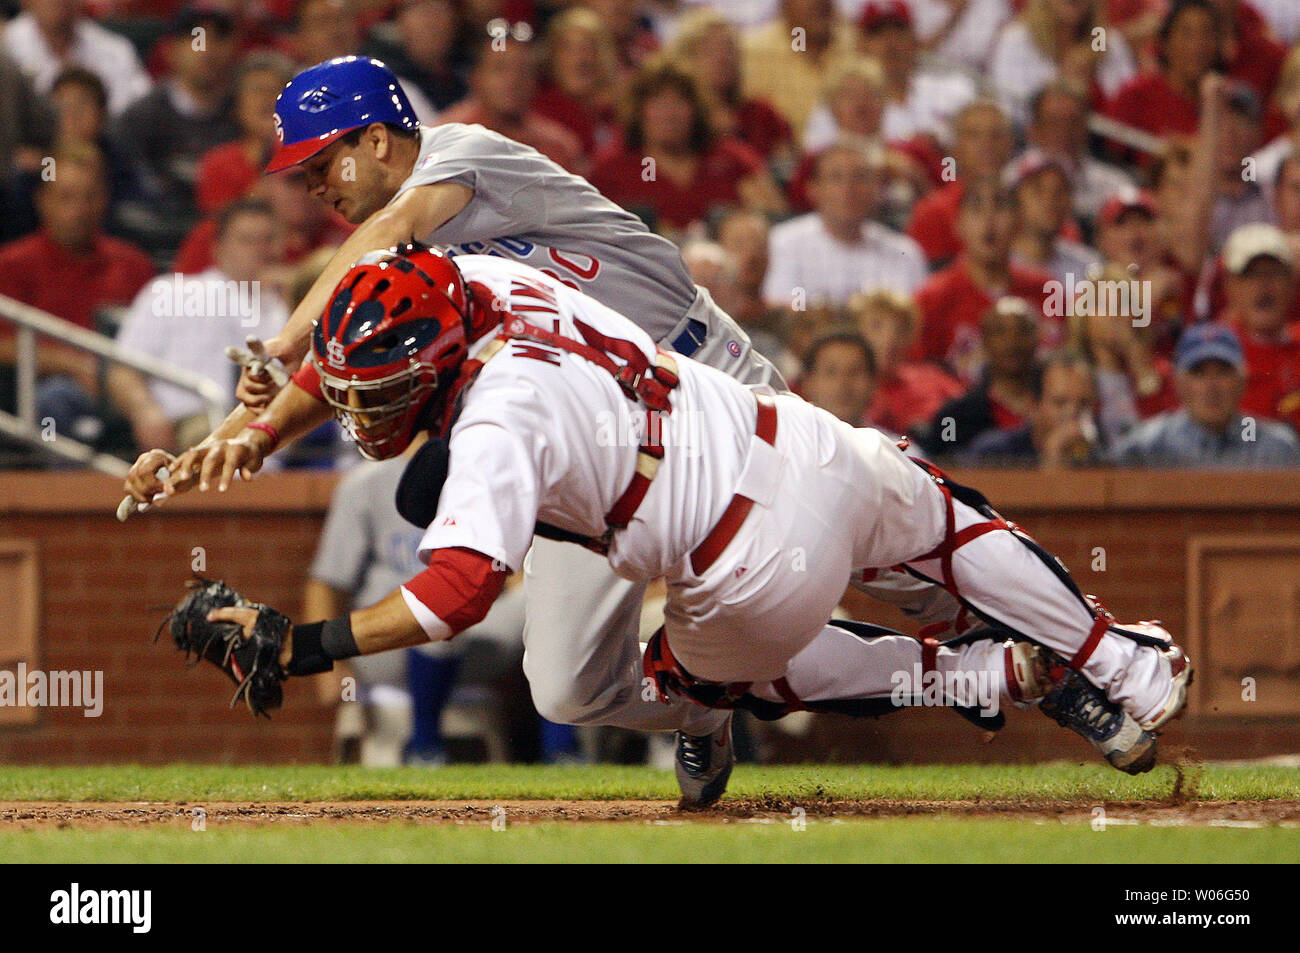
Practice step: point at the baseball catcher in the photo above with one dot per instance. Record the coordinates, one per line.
(549, 414)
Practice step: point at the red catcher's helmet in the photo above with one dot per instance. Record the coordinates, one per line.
(392, 338)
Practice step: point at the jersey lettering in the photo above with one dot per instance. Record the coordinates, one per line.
(586, 273)
(529, 297)
(537, 353)
(567, 282)
(515, 246)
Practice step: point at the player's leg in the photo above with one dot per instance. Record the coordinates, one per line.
(1001, 576)
(863, 670)
(582, 655)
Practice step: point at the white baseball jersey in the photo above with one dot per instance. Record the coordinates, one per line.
(545, 434)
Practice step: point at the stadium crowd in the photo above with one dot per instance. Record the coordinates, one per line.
(1036, 233)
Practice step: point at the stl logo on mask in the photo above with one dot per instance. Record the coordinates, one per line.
(334, 353)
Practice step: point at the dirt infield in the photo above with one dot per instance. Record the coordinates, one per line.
(45, 815)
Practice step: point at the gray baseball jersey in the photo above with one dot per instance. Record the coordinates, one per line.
(527, 208)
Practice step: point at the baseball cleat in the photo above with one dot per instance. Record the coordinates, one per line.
(1077, 704)
(1035, 673)
(704, 764)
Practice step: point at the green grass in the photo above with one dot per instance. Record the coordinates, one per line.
(896, 840)
(1058, 781)
(922, 839)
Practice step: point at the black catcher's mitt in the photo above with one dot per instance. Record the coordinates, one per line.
(252, 664)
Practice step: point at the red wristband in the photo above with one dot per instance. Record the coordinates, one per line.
(268, 430)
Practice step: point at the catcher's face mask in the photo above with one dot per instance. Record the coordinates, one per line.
(383, 415)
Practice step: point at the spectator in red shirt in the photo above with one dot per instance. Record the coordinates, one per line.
(670, 165)
(1261, 289)
(983, 139)
(908, 393)
(1003, 396)
(227, 172)
(953, 300)
(71, 269)
(581, 82)
(1190, 45)
(502, 87)
(709, 47)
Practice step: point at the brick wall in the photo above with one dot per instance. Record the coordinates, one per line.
(104, 587)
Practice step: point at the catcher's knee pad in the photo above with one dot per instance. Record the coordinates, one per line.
(670, 678)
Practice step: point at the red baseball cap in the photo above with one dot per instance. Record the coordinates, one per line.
(1030, 163)
(878, 13)
(1126, 200)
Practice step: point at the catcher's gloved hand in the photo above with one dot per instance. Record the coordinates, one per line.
(253, 663)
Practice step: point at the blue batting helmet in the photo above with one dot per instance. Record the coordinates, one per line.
(331, 99)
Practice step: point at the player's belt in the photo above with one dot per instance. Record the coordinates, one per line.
(691, 339)
(733, 517)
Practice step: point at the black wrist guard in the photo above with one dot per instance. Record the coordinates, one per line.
(336, 638)
(308, 656)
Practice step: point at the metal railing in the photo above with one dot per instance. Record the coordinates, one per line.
(31, 322)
